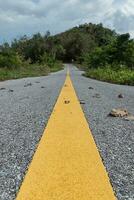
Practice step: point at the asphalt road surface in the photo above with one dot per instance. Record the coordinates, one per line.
(25, 107)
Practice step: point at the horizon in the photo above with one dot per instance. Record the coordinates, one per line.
(33, 16)
(52, 34)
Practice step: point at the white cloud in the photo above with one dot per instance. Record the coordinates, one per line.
(31, 16)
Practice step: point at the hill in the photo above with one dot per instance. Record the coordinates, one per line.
(91, 45)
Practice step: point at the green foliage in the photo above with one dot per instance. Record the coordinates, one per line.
(117, 54)
(10, 60)
(31, 49)
(67, 46)
(47, 59)
(26, 71)
(96, 58)
(122, 76)
(83, 39)
(90, 44)
(129, 55)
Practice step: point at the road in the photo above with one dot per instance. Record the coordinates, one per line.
(26, 105)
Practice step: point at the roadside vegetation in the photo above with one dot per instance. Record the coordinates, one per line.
(28, 57)
(28, 70)
(122, 76)
(113, 62)
(104, 54)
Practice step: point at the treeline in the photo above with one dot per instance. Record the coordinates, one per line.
(36, 50)
(90, 45)
(105, 55)
(118, 53)
(27, 57)
(73, 44)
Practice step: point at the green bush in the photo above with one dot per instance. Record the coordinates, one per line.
(47, 59)
(117, 54)
(121, 76)
(10, 61)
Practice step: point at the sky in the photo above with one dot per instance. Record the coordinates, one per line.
(19, 17)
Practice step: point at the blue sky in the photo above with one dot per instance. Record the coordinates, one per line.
(19, 17)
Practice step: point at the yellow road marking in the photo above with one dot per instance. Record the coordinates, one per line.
(66, 165)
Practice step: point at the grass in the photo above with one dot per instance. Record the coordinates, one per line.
(28, 71)
(57, 67)
(122, 76)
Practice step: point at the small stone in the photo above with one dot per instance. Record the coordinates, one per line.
(82, 102)
(96, 95)
(120, 96)
(66, 101)
(90, 88)
(2, 88)
(119, 112)
(29, 84)
(37, 82)
(11, 90)
(42, 87)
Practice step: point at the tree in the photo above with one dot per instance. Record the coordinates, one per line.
(120, 45)
(96, 58)
(129, 55)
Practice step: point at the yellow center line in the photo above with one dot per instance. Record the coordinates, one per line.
(67, 164)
